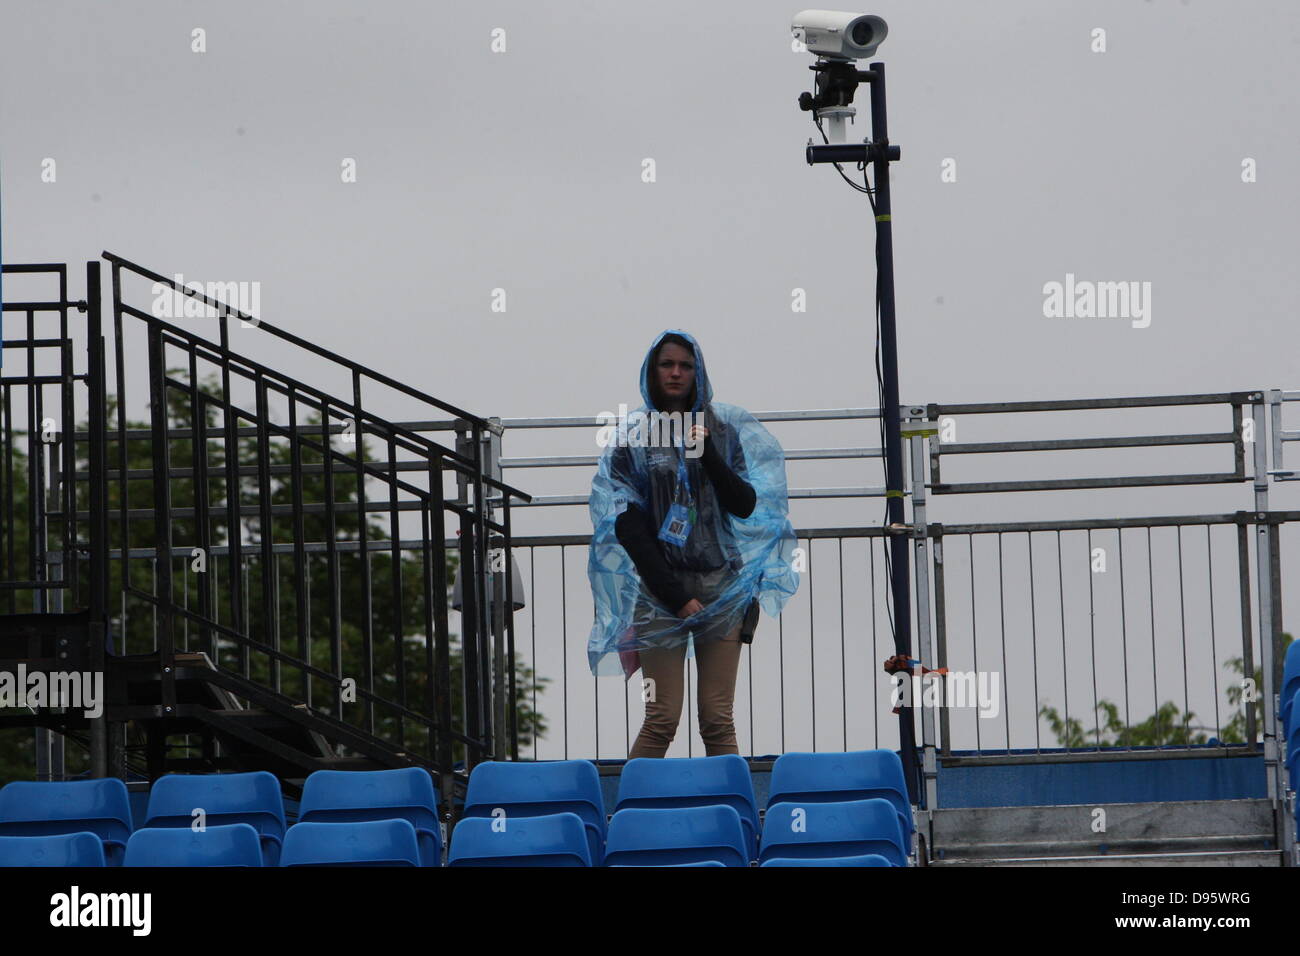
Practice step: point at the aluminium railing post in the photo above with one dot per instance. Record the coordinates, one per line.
(61, 500)
(941, 633)
(1285, 813)
(115, 743)
(496, 553)
(918, 437)
(497, 686)
(97, 491)
(162, 518)
(71, 565)
(36, 518)
(436, 604)
(363, 552)
(53, 559)
(509, 605)
(395, 583)
(469, 608)
(301, 563)
(332, 596)
(234, 492)
(268, 564)
(1275, 429)
(1264, 589)
(483, 582)
(1247, 628)
(65, 476)
(202, 517)
(8, 522)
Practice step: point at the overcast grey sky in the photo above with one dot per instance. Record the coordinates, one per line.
(521, 170)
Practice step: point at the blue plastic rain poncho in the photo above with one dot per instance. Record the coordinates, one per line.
(653, 465)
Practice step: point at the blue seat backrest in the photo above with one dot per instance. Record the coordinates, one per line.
(101, 807)
(371, 843)
(850, 828)
(64, 849)
(559, 839)
(235, 845)
(648, 783)
(662, 836)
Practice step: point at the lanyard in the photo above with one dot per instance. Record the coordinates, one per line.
(683, 477)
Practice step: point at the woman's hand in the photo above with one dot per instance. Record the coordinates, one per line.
(690, 607)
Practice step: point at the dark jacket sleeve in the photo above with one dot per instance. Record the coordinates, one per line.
(640, 539)
(734, 493)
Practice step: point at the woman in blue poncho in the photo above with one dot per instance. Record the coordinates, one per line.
(691, 536)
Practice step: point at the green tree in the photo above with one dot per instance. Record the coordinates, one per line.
(1168, 725)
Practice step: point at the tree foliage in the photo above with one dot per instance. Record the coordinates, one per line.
(1168, 725)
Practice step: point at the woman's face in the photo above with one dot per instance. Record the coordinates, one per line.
(675, 368)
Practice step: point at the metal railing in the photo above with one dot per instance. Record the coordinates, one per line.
(39, 469)
(218, 520)
(409, 471)
(1112, 648)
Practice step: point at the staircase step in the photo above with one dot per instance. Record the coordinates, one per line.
(1228, 858)
(1138, 829)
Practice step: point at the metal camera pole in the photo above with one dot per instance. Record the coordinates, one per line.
(836, 84)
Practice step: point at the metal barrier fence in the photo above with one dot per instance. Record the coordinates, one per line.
(1111, 653)
(1165, 633)
(1106, 637)
(47, 390)
(41, 571)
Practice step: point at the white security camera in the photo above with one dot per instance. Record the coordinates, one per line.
(839, 36)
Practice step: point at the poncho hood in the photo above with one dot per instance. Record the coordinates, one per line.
(703, 390)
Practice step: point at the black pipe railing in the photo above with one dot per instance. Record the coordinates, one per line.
(260, 643)
(236, 513)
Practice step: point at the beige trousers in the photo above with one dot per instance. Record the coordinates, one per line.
(717, 660)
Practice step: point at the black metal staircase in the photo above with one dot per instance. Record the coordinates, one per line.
(179, 557)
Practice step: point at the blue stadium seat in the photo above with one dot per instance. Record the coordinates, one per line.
(662, 836)
(557, 839)
(234, 845)
(827, 830)
(696, 863)
(64, 849)
(363, 843)
(225, 798)
(531, 789)
(1293, 752)
(356, 796)
(101, 807)
(836, 777)
(662, 866)
(1290, 684)
(870, 859)
(650, 783)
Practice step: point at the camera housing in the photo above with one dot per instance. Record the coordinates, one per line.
(836, 35)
